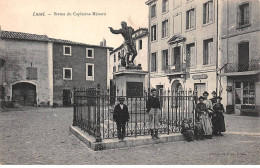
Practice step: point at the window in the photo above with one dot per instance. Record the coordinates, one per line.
(176, 3)
(153, 33)
(67, 73)
(153, 63)
(31, 73)
(89, 71)
(190, 55)
(165, 60)
(165, 28)
(208, 52)
(245, 93)
(243, 56)
(114, 68)
(140, 44)
(190, 19)
(114, 57)
(123, 53)
(208, 12)
(118, 56)
(243, 15)
(177, 24)
(153, 11)
(66, 50)
(176, 51)
(90, 52)
(165, 4)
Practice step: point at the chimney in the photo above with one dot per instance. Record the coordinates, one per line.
(101, 43)
(104, 42)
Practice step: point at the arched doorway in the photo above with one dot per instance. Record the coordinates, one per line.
(176, 85)
(24, 93)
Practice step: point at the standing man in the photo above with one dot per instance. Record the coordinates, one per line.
(121, 116)
(127, 33)
(153, 108)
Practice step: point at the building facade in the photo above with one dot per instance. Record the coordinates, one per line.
(183, 44)
(25, 75)
(141, 39)
(240, 55)
(40, 71)
(77, 65)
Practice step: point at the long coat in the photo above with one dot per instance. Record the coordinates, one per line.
(218, 121)
(121, 115)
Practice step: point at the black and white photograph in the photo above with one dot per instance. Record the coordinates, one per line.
(129, 82)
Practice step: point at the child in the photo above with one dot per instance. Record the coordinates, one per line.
(121, 116)
(186, 130)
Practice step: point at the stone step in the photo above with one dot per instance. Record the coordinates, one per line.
(129, 141)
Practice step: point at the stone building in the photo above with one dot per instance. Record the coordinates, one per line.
(240, 32)
(25, 75)
(183, 44)
(77, 65)
(42, 71)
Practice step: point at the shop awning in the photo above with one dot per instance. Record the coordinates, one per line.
(241, 73)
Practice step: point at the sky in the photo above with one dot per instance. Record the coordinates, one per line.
(20, 16)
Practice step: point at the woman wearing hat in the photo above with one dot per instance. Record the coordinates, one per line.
(202, 114)
(218, 118)
(214, 97)
(121, 116)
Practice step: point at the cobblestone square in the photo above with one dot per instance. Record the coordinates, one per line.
(41, 136)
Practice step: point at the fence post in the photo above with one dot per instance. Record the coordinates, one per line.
(74, 107)
(98, 134)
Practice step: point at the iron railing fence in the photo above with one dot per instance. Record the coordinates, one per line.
(93, 111)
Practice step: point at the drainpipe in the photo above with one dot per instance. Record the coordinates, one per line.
(217, 51)
(148, 51)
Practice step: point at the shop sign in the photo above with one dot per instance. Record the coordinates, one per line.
(199, 77)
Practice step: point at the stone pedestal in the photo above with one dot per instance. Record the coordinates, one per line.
(128, 80)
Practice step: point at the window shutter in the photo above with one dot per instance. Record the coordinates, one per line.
(211, 52)
(211, 11)
(31, 73)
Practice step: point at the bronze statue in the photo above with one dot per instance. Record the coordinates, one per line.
(127, 33)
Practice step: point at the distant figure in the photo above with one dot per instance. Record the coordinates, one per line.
(127, 33)
(153, 109)
(214, 97)
(121, 116)
(218, 118)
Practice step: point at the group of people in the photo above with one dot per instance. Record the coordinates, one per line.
(209, 118)
(209, 115)
(121, 115)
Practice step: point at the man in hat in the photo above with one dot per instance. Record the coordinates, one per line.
(214, 97)
(218, 118)
(121, 116)
(153, 108)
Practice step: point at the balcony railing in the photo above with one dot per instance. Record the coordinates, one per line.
(252, 65)
(174, 68)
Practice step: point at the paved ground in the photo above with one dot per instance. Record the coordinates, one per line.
(41, 136)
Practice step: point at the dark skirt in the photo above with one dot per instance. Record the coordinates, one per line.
(218, 123)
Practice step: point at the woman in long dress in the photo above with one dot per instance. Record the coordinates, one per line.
(202, 114)
(218, 118)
